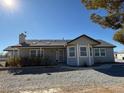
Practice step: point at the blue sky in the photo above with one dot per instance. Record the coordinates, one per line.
(49, 19)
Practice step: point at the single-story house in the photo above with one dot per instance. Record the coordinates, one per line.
(80, 51)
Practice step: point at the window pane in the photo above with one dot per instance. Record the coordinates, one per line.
(72, 51)
(71, 54)
(83, 51)
(83, 54)
(91, 52)
(102, 51)
(96, 51)
(33, 53)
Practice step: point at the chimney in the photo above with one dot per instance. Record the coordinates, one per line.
(22, 39)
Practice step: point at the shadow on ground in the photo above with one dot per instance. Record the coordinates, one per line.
(114, 70)
(38, 70)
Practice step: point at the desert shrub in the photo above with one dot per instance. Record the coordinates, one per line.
(49, 62)
(29, 61)
(14, 62)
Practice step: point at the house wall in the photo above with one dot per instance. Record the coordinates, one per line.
(85, 61)
(82, 60)
(50, 53)
(108, 58)
(24, 52)
(72, 61)
(47, 52)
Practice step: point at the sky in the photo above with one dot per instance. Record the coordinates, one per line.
(49, 19)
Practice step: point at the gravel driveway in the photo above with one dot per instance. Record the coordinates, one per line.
(38, 77)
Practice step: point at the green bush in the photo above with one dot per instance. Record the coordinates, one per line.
(29, 61)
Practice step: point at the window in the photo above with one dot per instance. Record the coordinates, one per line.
(33, 53)
(72, 52)
(100, 52)
(103, 52)
(36, 52)
(91, 51)
(97, 53)
(83, 51)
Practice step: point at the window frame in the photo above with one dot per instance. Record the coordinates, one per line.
(104, 50)
(37, 55)
(68, 49)
(100, 52)
(33, 50)
(83, 51)
(95, 52)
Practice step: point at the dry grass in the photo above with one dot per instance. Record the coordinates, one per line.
(2, 63)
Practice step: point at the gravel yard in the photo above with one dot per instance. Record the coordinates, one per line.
(41, 77)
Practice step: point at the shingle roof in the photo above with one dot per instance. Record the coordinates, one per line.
(10, 48)
(47, 42)
(52, 43)
(104, 44)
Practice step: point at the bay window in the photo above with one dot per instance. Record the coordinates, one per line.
(71, 51)
(83, 51)
(97, 52)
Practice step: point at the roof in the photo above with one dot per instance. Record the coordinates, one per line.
(56, 43)
(104, 44)
(47, 42)
(10, 48)
(86, 37)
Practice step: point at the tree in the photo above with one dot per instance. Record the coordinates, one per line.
(119, 36)
(114, 17)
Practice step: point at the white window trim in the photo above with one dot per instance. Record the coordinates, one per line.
(80, 50)
(69, 52)
(99, 52)
(37, 51)
(95, 52)
(105, 52)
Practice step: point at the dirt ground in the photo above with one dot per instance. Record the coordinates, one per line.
(112, 89)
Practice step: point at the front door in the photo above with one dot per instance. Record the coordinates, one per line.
(60, 55)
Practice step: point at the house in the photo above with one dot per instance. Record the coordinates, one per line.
(119, 55)
(80, 51)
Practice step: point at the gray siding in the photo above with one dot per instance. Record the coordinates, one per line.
(108, 58)
(83, 60)
(51, 53)
(72, 61)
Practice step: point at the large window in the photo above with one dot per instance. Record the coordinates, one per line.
(97, 52)
(83, 51)
(36, 53)
(100, 52)
(33, 53)
(71, 51)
